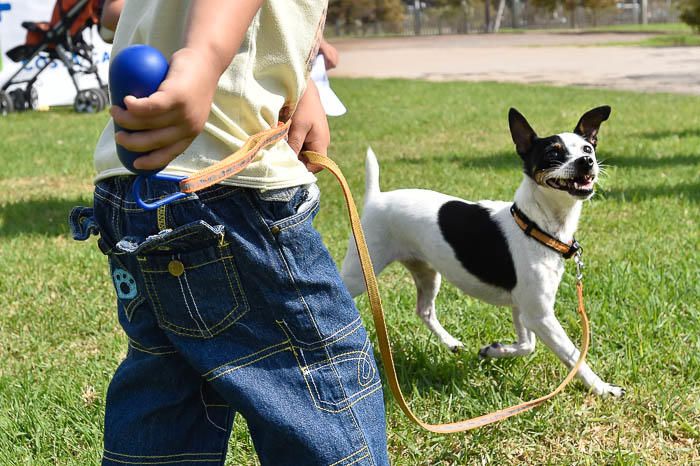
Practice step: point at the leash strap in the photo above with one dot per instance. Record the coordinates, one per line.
(235, 162)
(383, 336)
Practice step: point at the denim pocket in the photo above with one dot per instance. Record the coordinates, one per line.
(340, 370)
(284, 208)
(191, 279)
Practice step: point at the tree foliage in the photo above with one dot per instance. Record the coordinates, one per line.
(349, 11)
(690, 14)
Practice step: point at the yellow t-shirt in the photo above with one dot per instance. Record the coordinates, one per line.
(261, 86)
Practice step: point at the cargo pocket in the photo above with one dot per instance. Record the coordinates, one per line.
(191, 279)
(340, 370)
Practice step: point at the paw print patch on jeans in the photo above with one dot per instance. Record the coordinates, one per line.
(124, 283)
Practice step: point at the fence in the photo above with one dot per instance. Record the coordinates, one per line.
(472, 18)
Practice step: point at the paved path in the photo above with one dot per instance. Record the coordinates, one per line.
(553, 58)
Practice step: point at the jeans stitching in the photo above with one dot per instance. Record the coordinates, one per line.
(130, 308)
(153, 350)
(365, 360)
(206, 410)
(161, 217)
(248, 363)
(348, 457)
(174, 455)
(191, 267)
(337, 336)
(293, 221)
(152, 353)
(337, 358)
(189, 311)
(282, 343)
(357, 460)
(194, 302)
(187, 460)
(347, 400)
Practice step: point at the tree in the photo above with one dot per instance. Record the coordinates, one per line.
(690, 14)
(365, 11)
(596, 6)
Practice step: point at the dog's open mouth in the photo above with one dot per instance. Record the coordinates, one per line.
(580, 186)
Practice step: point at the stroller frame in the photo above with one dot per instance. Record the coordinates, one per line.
(66, 46)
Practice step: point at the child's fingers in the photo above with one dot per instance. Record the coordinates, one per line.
(146, 141)
(130, 121)
(156, 104)
(297, 135)
(161, 157)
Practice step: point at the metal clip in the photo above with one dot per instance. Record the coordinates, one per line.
(578, 259)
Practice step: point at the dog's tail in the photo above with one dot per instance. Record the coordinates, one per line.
(371, 175)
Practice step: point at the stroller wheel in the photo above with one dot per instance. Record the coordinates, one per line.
(31, 97)
(89, 101)
(6, 105)
(19, 100)
(104, 95)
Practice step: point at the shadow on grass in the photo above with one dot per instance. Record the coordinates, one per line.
(37, 217)
(645, 161)
(656, 135)
(690, 191)
(429, 371)
(497, 160)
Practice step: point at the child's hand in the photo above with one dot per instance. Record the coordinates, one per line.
(330, 54)
(309, 129)
(168, 121)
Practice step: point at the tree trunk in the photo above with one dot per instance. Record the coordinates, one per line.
(499, 15)
(487, 16)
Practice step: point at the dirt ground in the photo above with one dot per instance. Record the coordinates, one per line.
(552, 58)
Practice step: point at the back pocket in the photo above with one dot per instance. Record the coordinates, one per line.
(192, 281)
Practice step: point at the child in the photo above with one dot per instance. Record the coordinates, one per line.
(229, 299)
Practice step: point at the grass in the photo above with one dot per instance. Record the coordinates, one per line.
(651, 28)
(672, 40)
(60, 341)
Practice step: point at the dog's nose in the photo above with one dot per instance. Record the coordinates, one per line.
(585, 162)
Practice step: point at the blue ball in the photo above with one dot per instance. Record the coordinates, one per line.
(137, 70)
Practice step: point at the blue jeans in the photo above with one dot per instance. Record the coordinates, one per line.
(232, 304)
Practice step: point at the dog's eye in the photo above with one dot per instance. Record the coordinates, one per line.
(587, 149)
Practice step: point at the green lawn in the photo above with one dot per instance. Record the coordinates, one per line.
(60, 341)
(651, 28)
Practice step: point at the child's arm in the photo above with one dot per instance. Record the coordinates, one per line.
(169, 120)
(110, 14)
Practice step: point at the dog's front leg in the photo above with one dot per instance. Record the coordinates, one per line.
(524, 346)
(549, 330)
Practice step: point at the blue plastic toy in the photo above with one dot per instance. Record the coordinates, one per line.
(138, 70)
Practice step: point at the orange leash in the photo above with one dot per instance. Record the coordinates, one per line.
(383, 336)
(235, 162)
(242, 157)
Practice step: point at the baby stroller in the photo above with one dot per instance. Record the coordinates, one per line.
(60, 39)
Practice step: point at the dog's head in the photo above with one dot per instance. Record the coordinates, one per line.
(563, 162)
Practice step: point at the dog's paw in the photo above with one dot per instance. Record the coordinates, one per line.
(491, 351)
(456, 347)
(607, 389)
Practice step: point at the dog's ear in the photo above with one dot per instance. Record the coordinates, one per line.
(590, 122)
(522, 133)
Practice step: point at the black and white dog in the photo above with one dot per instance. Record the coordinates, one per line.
(479, 247)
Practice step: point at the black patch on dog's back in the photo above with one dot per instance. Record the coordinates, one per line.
(477, 242)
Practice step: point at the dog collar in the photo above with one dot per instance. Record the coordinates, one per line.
(530, 228)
